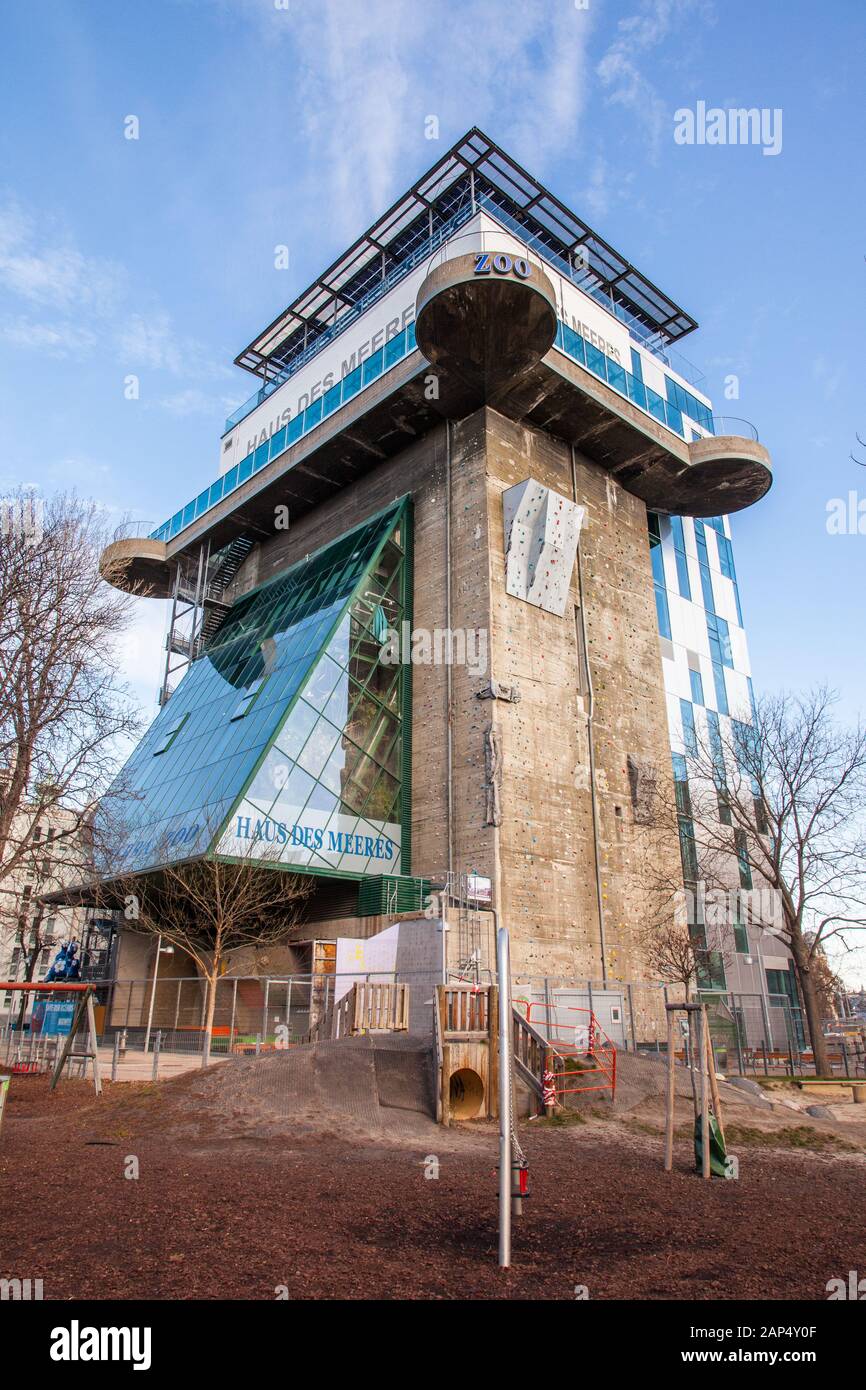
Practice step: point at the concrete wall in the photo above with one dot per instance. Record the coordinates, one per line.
(543, 848)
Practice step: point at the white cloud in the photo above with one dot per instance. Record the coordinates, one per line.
(85, 296)
(195, 402)
(46, 269)
(621, 69)
(368, 75)
(58, 339)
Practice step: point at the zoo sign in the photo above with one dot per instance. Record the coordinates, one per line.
(501, 264)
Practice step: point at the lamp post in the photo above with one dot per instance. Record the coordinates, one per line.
(168, 950)
(503, 968)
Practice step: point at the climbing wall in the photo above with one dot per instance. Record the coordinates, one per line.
(542, 529)
(546, 834)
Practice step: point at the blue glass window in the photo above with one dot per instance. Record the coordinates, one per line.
(663, 612)
(595, 361)
(169, 735)
(697, 685)
(244, 705)
(690, 733)
(680, 555)
(721, 688)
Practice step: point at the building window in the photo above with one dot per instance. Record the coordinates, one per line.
(697, 685)
(247, 701)
(663, 613)
(680, 556)
(170, 734)
(745, 868)
(721, 688)
(690, 733)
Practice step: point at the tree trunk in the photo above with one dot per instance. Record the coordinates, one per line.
(212, 981)
(32, 962)
(811, 1006)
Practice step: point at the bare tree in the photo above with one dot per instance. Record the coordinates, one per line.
(677, 949)
(210, 908)
(64, 710)
(774, 809)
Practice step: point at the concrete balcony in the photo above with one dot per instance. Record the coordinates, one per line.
(490, 339)
(137, 565)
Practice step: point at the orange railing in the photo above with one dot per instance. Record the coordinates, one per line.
(583, 1056)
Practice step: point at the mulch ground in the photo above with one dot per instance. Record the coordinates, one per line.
(223, 1213)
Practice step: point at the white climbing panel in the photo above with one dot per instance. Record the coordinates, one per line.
(542, 530)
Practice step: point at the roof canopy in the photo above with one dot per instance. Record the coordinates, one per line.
(474, 171)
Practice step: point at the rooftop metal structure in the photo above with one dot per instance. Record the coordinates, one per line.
(474, 171)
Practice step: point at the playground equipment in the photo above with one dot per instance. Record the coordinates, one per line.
(467, 1046)
(578, 1056)
(65, 965)
(51, 1037)
(710, 1155)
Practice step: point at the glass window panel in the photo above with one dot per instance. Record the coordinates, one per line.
(595, 360)
(338, 648)
(352, 384)
(320, 685)
(318, 747)
(331, 400)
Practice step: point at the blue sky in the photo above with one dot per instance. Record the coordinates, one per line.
(262, 126)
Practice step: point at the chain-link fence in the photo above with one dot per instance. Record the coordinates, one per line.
(752, 1034)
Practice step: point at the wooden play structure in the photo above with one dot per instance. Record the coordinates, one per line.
(467, 1051)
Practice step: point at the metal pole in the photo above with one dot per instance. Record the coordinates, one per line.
(91, 1023)
(152, 995)
(156, 1043)
(232, 1023)
(115, 1056)
(701, 1019)
(503, 967)
(671, 1096)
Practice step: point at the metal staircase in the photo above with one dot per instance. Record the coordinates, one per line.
(199, 605)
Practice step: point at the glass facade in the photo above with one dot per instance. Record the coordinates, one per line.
(345, 390)
(286, 739)
(569, 341)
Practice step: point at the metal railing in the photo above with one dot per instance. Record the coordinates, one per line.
(373, 295)
(732, 424)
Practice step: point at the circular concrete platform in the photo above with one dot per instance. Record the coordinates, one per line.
(482, 320)
(138, 566)
(725, 474)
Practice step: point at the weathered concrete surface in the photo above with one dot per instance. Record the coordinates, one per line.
(138, 565)
(482, 332)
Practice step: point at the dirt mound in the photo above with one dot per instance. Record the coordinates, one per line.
(367, 1086)
(640, 1078)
